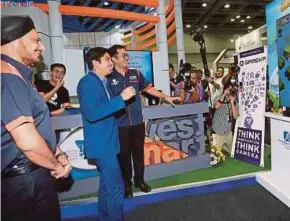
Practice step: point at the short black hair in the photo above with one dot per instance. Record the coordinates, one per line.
(171, 66)
(95, 54)
(113, 51)
(54, 65)
(227, 85)
(199, 70)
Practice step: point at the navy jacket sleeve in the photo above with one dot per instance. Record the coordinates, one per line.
(93, 106)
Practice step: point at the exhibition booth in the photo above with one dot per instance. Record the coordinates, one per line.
(277, 181)
(175, 137)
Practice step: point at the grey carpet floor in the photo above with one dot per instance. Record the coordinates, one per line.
(251, 203)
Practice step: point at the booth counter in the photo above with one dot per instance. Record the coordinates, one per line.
(277, 181)
(174, 144)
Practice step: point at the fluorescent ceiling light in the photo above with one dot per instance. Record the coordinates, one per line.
(248, 17)
(227, 5)
(188, 26)
(232, 40)
(204, 5)
(205, 26)
(250, 27)
(242, 21)
(233, 19)
(106, 3)
(238, 16)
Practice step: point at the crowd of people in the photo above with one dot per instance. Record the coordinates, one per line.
(110, 104)
(220, 92)
(110, 108)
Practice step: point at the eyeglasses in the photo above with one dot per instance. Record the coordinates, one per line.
(124, 55)
(59, 72)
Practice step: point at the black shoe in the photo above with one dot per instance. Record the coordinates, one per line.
(128, 192)
(144, 187)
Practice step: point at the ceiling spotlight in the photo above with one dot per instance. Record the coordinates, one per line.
(248, 17)
(204, 5)
(227, 6)
(205, 26)
(238, 16)
(250, 27)
(106, 3)
(233, 19)
(232, 40)
(242, 21)
(188, 26)
(155, 14)
(117, 26)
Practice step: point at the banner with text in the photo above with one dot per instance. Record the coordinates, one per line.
(248, 142)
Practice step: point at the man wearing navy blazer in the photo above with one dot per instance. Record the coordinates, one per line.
(101, 133)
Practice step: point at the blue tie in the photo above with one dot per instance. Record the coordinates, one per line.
(105, 81)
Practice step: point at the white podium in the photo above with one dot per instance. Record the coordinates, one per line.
(277, 181)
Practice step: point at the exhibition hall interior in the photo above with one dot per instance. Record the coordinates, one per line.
(164, 110)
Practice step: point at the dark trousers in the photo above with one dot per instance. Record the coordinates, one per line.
(31, 196)
(111, 189)
(132, 146)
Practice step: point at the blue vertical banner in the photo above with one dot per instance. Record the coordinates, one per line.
(274, 11)
(249, 134)
(283, 52)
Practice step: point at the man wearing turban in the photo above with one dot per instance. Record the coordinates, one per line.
(29, 156)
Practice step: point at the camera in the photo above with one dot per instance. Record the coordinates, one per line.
(184, 71)
(234, 92)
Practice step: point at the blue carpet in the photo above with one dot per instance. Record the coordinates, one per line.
(88, 211)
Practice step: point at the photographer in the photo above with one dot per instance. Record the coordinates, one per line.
(232, 76)
(189, 90)
(214, 86)
(225, 112)
(174, 80)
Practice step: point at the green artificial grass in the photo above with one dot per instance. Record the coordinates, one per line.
(231, 167)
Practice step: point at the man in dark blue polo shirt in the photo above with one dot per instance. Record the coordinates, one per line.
(130, 120)
(29, 156)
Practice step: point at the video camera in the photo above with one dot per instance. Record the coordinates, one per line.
(234, 68)
(197, 37)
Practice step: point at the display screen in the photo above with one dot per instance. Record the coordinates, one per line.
(142, 61)
(283, 52)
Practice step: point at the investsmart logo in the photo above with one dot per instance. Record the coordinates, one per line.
(18, 4)
(286, 140)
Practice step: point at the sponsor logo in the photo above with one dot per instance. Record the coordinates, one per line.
(17, 4)
(252, 61)
(285, 141)
(115, 82)
(133, 78)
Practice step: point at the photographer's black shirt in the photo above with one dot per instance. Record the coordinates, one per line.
(59, 98)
